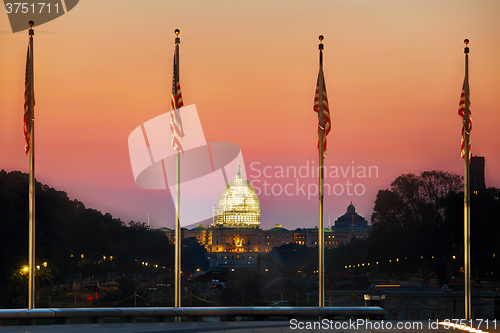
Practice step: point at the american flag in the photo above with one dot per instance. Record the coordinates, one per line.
(326, 110)
(461, 112)
(176, 104)
(28, 96)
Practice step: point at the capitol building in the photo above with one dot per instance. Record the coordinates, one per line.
(239, 206)
(234, 239)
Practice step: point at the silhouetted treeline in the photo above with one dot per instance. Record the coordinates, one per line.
(74, 241)
(418, 228)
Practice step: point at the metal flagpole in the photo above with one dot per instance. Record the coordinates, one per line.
(177, 198)
(467, 187)
(31, 103)
(321, 231)
(177, 230)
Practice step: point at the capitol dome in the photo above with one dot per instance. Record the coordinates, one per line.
(239, 206)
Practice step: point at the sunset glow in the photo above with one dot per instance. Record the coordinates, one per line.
(393, 72)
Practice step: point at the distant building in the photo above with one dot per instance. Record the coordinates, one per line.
(235, 239)
(351, 219)
(351, 224)
(477, 180)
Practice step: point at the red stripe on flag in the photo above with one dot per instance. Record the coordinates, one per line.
(326, 112)
(461, 113)
(176, 103)
(27, 99)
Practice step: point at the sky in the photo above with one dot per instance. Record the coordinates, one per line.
(393, 70)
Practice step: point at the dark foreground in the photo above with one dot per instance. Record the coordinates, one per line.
(262, 327)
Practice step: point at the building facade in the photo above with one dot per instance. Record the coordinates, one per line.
(235, 239)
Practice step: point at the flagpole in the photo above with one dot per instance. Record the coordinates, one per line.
(31, 280)
(467, 187)
(177, 199)
(31, 101)
(321, 231)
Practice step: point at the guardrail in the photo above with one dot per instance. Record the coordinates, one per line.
(130, 315)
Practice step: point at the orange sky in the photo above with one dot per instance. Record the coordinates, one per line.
(394, 72)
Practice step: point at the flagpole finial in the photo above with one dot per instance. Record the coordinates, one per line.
(31, 31)
(466, 50)
(321, 41)
(177, 39)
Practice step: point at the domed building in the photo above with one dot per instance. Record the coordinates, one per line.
(351, 219)
(239, 206)
(235, 239)
(350, 225)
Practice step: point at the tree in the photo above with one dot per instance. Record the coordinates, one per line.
(485, 229)
(419, 222)
(193, 256)
(73, 240)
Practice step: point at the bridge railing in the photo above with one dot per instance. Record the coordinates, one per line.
(130, 315)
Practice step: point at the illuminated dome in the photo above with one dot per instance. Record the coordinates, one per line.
(239, 206)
